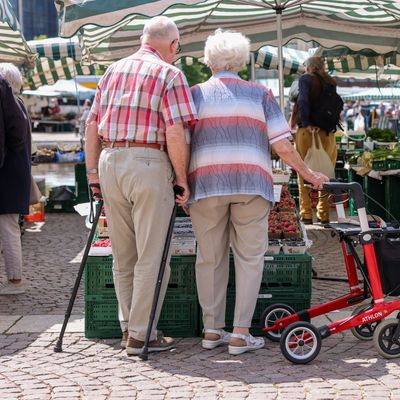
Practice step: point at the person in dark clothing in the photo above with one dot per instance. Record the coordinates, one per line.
(15, 174)
(310, 89)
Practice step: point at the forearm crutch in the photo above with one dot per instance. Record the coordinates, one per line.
(58, 346)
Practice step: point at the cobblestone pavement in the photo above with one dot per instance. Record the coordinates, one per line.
(346, 368)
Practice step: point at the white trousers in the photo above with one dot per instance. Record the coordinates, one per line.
(10, 239)
(138, 195)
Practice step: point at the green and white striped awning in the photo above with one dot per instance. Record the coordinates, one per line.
(387, 93)
(293, 60)
(111, 30)
(13, 47)
(48, 71)
(57, 48)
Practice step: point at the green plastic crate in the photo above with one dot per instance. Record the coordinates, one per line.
(60, 206)
(386, 164)
(99, 283)
(81, 184)
(298, 302)
(284, 274)
(392, 196)
(179, 318)
(353, 177)
(374, 189)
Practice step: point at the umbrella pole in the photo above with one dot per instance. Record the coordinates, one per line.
(278, 10)
(252, 68)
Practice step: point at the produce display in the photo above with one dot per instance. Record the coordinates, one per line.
(381, 135)
(45, 155)
(378, 159)
(283, 222)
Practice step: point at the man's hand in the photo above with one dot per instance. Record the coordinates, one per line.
(317, 179)
(313, 129)
(95, 190)
(182, 199)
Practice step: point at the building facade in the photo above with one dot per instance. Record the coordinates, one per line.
(36, 17)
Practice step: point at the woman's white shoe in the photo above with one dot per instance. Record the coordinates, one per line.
(250, 343)
(212, 344)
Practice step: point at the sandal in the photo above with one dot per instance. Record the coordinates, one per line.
(249, 343)
(220, 337)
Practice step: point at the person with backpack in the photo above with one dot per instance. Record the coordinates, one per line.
(316, 112)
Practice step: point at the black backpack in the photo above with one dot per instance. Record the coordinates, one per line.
(325, 111)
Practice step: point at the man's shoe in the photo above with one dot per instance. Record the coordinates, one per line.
(323, 221)
(214, 338)
(239, 344)
(9, 288)
(124, 339)
(306, 221)
(134, 347)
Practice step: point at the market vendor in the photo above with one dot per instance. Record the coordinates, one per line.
(54, 107)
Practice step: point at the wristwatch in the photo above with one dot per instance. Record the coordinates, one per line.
(92, 171)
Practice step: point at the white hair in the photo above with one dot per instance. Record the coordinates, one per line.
(227, 51)
(11, 74)
(160, 28)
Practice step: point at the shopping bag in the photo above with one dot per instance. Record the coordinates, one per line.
(317, 158)
(35, 194)
(359, 124)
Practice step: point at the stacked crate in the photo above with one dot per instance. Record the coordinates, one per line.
(180, 312)
(286, 279)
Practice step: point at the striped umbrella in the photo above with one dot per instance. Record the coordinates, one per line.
(57, 48)
(48, 71)
(111, 30)
(13, 47)
(387, 93)
(293, 60)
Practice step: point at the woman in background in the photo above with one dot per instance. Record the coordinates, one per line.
(15, 174)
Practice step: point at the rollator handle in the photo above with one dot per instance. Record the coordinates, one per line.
(336, 188)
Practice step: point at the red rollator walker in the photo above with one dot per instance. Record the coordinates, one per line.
(300, 340)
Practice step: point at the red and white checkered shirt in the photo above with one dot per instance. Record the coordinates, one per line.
(139, 97)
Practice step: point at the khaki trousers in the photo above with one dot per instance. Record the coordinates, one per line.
(137, 188)
(303, 141)
(242, 221)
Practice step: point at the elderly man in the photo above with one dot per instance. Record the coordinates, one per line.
(141, 107)
(230, 177)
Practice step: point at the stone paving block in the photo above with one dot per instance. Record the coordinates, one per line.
(7, 321)
(48, 323)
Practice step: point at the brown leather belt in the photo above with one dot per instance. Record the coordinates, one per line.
(124, 143)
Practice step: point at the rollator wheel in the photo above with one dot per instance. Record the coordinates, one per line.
(301, 342)
(385, 344)
(366, 331)
(270, 315)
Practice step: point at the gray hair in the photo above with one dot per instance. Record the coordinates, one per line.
(227, 51)
(160, 28)
(12, 75)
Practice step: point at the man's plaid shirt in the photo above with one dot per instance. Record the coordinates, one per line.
(139, 97)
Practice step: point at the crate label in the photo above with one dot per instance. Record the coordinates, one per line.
(268, 258)
(265, 296)
(57, 206)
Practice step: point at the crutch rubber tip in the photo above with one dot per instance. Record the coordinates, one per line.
(144, 356)
(58, 348)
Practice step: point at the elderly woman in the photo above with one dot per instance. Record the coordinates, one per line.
(231, 186)
(15, 174)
